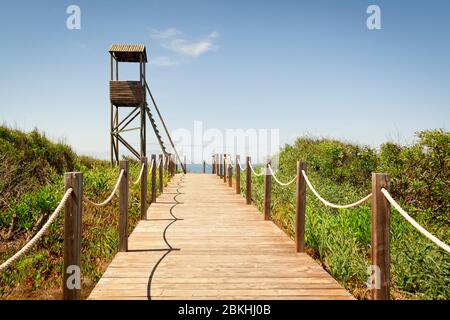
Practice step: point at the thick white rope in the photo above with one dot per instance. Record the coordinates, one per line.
(159, 162)
(228, 160)
(278, 181)
(152, 162)
(38, 235)
(408, 218)
(329, 204)
(254, 172)
(122, 172)
(140, 175)
(240, 166)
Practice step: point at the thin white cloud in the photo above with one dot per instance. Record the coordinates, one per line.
(164, 61)
(175, 41)
(165, 34)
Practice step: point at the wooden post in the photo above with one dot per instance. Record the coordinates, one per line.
(217, 165)
(381, 220)
(204, 166)
(238, 175)
(154, 178)
(225, 168)
(161, 173)
(300, 208)
(221, 166)
(267, 191)
(73, 209)
(166, 163)
(144, 189)
(230, 175)
(248, 182)
(185, 163)
(123, 207)
(213, 167)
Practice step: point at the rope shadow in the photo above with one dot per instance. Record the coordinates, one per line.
(170, 249)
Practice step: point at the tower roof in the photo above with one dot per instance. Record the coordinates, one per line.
(129, 52)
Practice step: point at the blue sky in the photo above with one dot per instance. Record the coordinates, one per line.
(305, 67)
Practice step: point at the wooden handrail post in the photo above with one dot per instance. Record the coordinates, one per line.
(230, 175)
(300, 208)
(381, 220)
(248, 181)
(204, 166)
(166, 163)
(154, 178)
(238, 175)
(213, 165)
(218, 165)
(185, 163)
(221, 166)
(73, 209)
(225, 167)
(267, 191)
(144, 189)
(123, 207)
(161, 173)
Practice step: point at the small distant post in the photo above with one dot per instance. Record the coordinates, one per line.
(73, 209)
(300, 208)
(144, 189)
(381, 220)
(185, 163)
(154, 178)
(230, 174)
(213, 166)
(204, 166)
(248, 182)
(267, 191)
(221, 166)
(217, 165)
(238, 175)
(161, 173)
(166, 163)
(123, 207)
(225, 168)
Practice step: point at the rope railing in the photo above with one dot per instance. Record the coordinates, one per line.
(101, 204)
(240, 166)
(255, 173)
(414, 223)
(380, 211)
(140, 175)
(284, 184)
(329, 204)
(39, 234)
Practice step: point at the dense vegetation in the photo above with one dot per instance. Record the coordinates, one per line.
(340, 238)
(31, 186)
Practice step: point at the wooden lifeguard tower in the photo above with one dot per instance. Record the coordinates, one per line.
(132, 96)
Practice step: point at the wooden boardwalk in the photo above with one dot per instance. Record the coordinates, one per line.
(201, 241)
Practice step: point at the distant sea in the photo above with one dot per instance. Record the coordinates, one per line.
(198, 168)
